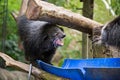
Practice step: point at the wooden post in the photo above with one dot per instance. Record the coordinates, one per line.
(88, 6)
(90, 50)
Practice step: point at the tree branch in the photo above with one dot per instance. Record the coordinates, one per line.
(41, 75)
(25, 67)
(23, 7)
(40, 10)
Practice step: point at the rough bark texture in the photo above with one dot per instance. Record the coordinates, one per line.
(37, 73)
(87, 11)
(14, 75)
(91, 50)
(101, 50)
(23, 7)
(22, 66)
(40, 10)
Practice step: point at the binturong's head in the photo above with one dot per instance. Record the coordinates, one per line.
(110, 33)
(55, 35)
(59, 35)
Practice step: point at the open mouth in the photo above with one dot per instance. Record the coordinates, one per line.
(58, 42)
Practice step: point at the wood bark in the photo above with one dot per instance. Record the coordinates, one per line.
(87, 11)
(38, 73)
(14, 75)
(22, 66)
(40, 10)
(23, 7)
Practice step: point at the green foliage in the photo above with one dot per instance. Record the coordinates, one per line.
(101, 14)
(116, 6)
(11, 47)
(11, 43)
(67, 50)
(57, 2)
(73, 5)
(13, 5)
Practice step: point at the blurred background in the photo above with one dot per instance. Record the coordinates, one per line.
(104, 11)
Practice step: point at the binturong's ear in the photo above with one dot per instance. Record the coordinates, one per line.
(15, 15)
(61, 29)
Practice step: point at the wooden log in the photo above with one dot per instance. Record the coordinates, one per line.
(40, 10)
(23, 7)
(22, 66)
(38, 73)
(14, 75)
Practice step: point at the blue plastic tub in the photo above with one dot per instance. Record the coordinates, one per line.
(86, 69)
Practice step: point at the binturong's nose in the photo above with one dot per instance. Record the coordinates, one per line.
(63, 36)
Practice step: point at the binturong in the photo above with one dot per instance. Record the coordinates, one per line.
(110, 33)
(40, 39)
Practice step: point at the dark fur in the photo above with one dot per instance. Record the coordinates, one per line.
(110, 34)
(38, 38)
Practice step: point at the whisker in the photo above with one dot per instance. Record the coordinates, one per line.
(96, 40)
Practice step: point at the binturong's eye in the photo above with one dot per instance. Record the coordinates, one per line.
(56, 34)
(45, 37)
